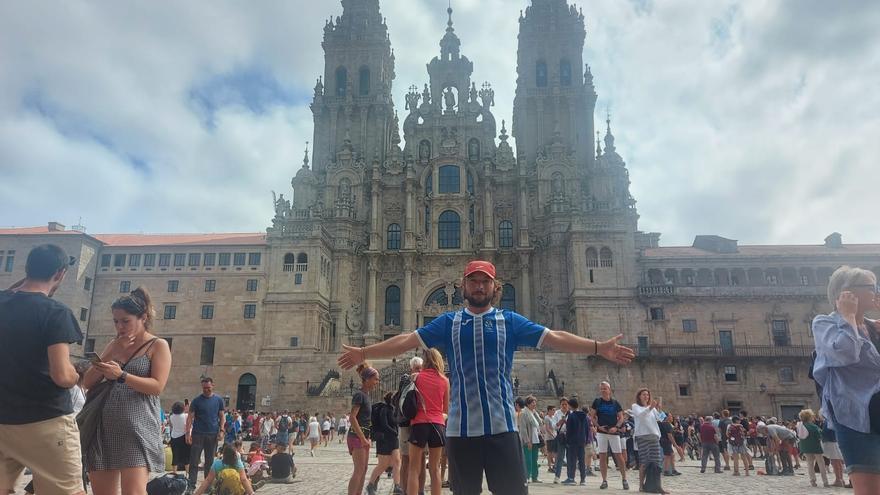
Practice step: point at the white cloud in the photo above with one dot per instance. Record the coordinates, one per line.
(753, 120)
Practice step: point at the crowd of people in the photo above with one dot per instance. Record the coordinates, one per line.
(454, 419)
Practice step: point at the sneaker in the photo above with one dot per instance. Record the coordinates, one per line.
(556, 480)
(569, 481)
(625, 485)
(583, 483)
(371, 489)
(604, 485)
(590, 472)
(445, 484)
(536, 480)
(702, 471)
(675, 472)
(727, 468)
(397, 490)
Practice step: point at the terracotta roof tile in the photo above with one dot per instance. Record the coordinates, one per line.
(132, 240)
(764, 250)
(35, 230)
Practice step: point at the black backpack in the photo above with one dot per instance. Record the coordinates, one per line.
(170, 484)
(377, 421)
(397, 414)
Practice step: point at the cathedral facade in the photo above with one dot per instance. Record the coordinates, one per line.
(377, 232)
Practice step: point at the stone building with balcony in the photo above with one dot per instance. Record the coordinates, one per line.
(388, 207)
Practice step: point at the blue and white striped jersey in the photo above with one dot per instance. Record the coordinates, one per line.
(479, 350)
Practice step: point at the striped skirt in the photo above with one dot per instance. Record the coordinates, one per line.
(649, 450)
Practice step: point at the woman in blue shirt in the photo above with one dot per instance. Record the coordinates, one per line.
(847, 367)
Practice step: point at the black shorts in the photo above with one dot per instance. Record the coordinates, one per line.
(762, 441)
(500, 456)
(751, 441)
(551, 445)
(667, 448)
(387, 445)
(325, 433)
(427, 434)
(722, 445)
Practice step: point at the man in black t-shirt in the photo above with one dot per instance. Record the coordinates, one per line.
(37, 426)
(609, 418)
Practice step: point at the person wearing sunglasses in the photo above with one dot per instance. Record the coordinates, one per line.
(847, 368)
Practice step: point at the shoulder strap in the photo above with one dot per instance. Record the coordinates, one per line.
(138, 350)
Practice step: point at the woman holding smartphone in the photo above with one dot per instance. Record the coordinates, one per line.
(137, 363)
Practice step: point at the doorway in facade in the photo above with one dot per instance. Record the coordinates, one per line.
(247, 393)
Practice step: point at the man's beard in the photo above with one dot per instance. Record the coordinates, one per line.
(477, 300)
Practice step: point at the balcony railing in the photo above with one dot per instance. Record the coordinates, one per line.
(719, 351)
(648, 291)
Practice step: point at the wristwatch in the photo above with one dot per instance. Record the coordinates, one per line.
(121, 378)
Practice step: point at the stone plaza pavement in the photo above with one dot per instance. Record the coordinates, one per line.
(328, 472)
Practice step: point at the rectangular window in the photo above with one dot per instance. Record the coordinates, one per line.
(730, 374)
(10, 262)
(89, 345)
(118, 260)
(195, 259)
(224, 259)
(124, 287)
(689, 325)
(164, 259)
(207, 311)
(180, 259)
(170, 341)
(781, 336)
(254, 259)
(657, 314)
(83, 314)
(207, 357)
(87, 284)
(210, 285)
(134, 260)
(250, 311)
(450, 181)
(173, 285)
(644, 348)
(238, 259)
(170, 311)
(805, 280)
(105, 260)
(149, 260)
(210, 259)
(298, 279)
(786, 375)
(684, 390)
(252, 285)
(294, 342)
(772, 280)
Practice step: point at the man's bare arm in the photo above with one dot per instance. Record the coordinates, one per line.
(395, 346)
(563, 341)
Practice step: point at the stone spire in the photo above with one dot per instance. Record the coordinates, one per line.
(450, 45)
(306, 157)
(609, 138)
(598, 145)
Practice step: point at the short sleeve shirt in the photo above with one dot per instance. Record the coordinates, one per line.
(479, 349)
(30, 322)
(218, 465)
(363, 416)
(207, 411)
(606, 412)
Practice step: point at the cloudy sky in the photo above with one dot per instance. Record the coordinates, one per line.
(757, 120)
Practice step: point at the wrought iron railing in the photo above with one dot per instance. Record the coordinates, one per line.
(712, 351)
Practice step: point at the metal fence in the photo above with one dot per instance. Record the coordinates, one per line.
(710, 351)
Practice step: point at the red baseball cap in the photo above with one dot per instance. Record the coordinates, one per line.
(480, 266)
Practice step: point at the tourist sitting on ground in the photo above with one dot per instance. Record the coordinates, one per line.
(281, 465)
(258, 467)
(227, 475)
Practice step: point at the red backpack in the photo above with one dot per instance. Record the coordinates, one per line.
(735, 434)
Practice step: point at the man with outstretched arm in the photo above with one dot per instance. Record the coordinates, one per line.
(479, 342)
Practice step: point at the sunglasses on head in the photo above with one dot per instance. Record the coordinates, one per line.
(874, 288)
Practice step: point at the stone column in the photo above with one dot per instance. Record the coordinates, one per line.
(370, 336)
(408, 323)
(526, 289)
(409, 225)
(488, 217)
(375, 231)
(523, 213)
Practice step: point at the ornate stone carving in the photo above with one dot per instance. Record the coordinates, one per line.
(393, 209)
(449, 143)
(354, 316)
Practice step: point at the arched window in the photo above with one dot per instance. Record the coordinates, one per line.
(302, 258)
(439, 297)
(505, 234)
(592, 258)
(541, 74)
(394, 236)
(392, 305)
(364, 81)
(564, 72)
(449, 230)
(450, 179)
(289, 261)
(341, 81)
(605, 258)
(508, 297)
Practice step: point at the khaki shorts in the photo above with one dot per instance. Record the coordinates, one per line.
(49, 448)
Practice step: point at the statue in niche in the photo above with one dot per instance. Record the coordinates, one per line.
(426, 95)
(474, 150)
(557, 186)
(424, 150)
(344, 190)
(449, 99)
(282, 206)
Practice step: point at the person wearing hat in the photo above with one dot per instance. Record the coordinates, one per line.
(37, 423)
(479, 342)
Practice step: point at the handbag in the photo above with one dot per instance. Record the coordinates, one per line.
(89, 418)
(170, 484)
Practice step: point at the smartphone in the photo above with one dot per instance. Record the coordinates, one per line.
(93, 357)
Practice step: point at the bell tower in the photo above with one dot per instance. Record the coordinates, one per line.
(352, 104)
(554, 100)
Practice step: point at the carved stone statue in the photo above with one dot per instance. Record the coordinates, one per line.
(557, 185)
(426, 95)
(424, 150)
(474, 150)
(449, 99)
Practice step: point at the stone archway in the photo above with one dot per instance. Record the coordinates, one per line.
(247, 393)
